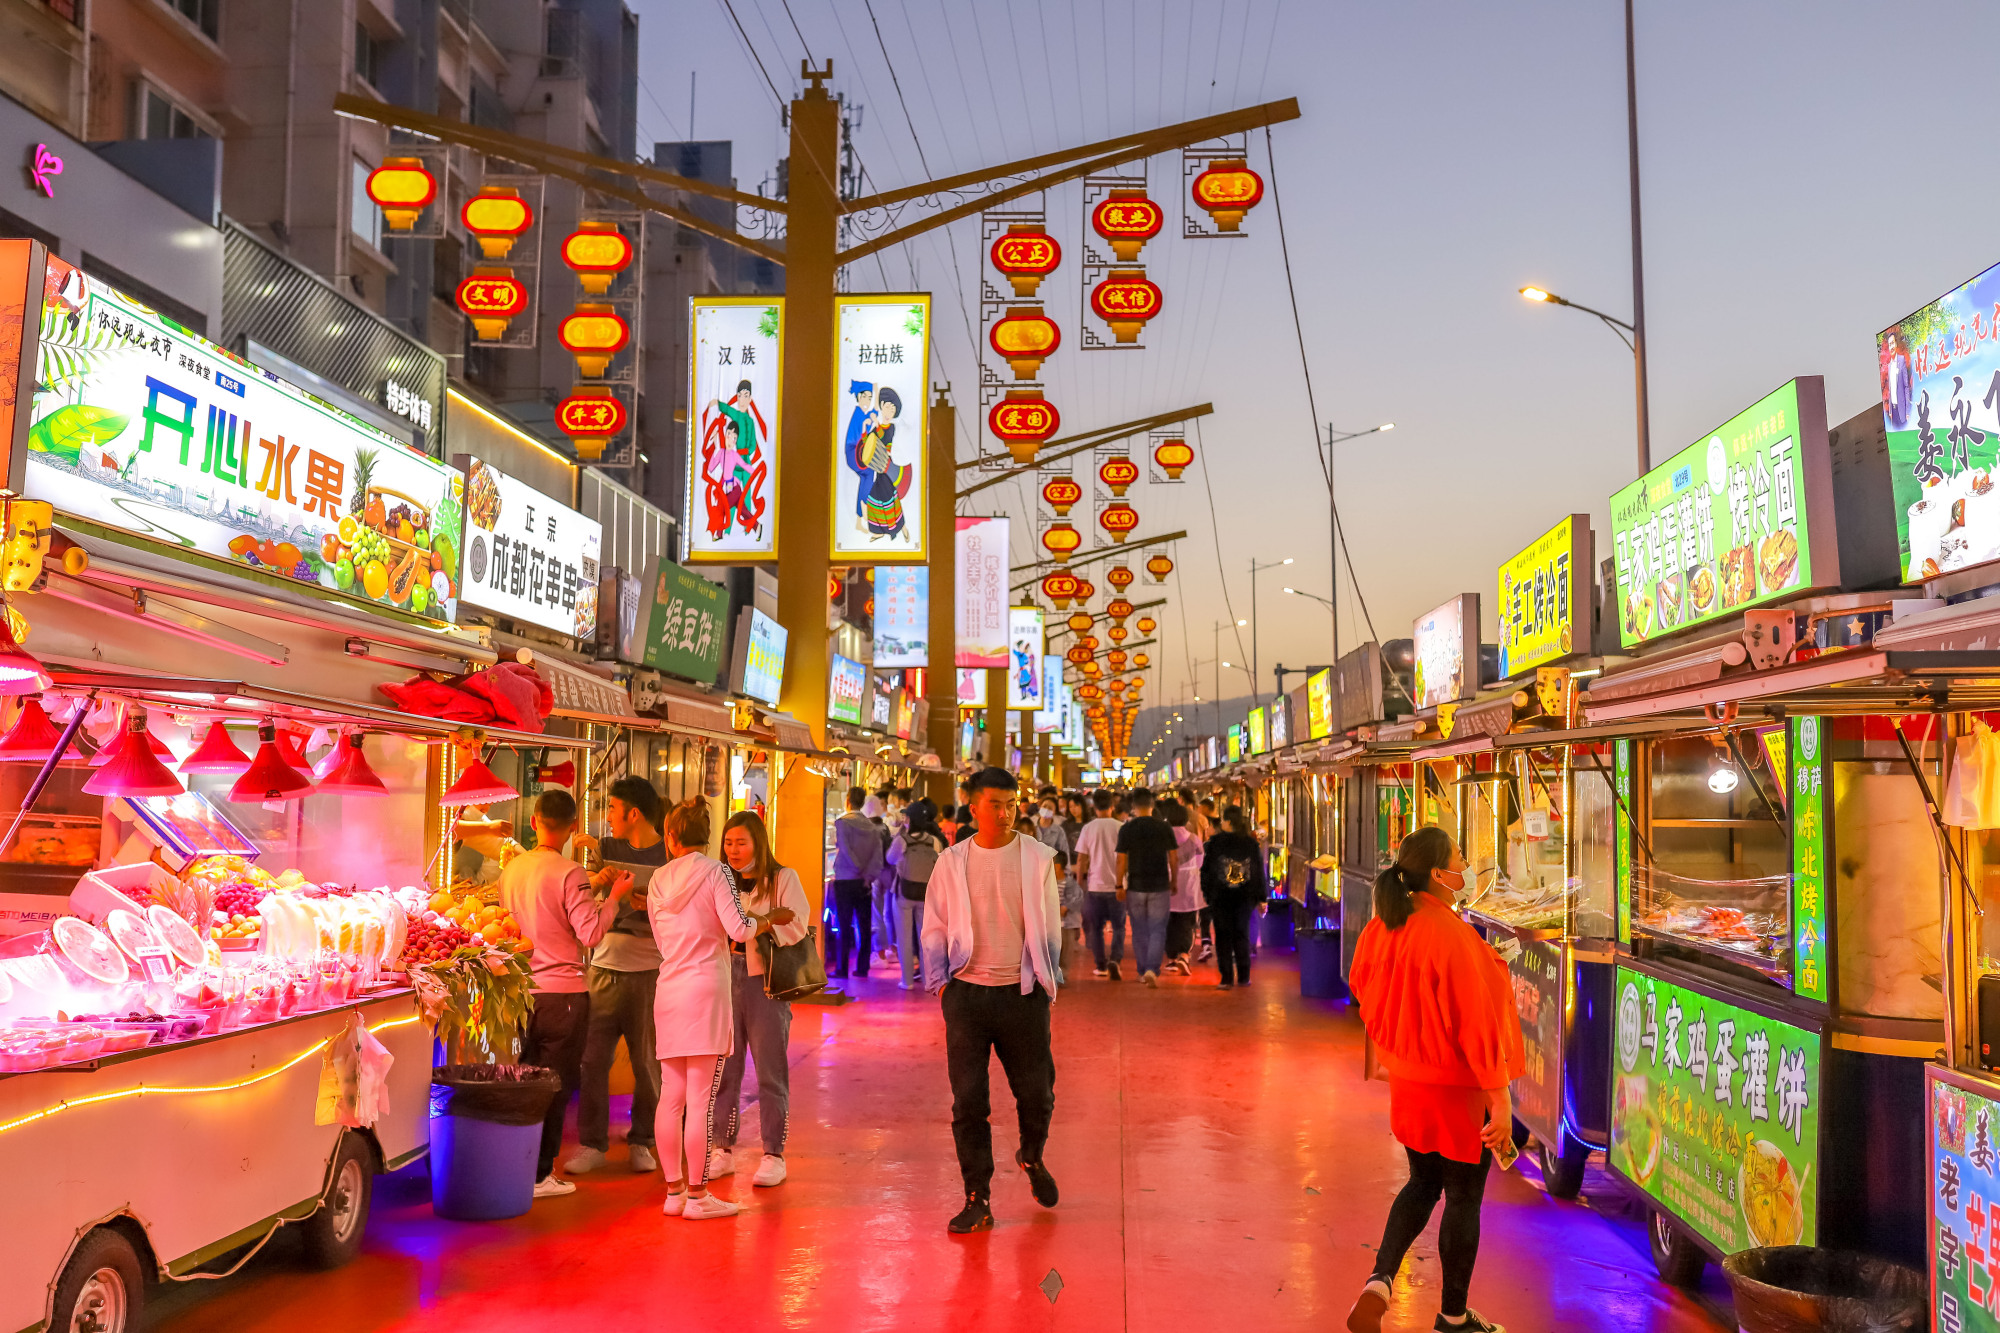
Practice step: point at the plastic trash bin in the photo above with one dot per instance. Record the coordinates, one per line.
(1276, 932)
(486, 1132)
(1806, 1289)
(1319, 964)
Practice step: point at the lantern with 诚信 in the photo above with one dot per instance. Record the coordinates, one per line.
(1118, 473)
(1081, 622)
(590, 417)
(593, 334)
(1024, 337)
(1022, 420)
(497, 215)
(1061, 540)
(1159, 567)
(1059, 588)
(1118, 519)
(1228, 190)
(1127, 219)
(490, 298)
(597, 252)
(1125, 300)
(1061, 493)
(1025, 254)
(1119, 633)
(1173, 457)
(402, 187)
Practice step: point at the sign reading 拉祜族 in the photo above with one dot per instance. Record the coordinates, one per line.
(881, 429)
(736, 364)
(1538, 607)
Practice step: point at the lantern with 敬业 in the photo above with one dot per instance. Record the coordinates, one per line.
(1060, 588)
(597, 252)
(1061, 540)
(1127, 219)
(1173, 457)
(491, 298)
(1061, 493)
(1024, 337)
(591, 417)
(1159, 567)
(1125, 300)
(1119, 633)
(1118, 609)
(1081, 622)
(1118, 473)
(1025, 254)
(402, 187)
(1141, 661)
(1119, 577)
(1079, 655)
(1147, 624)
(1022, 420)
(1118, 519)
(1228, 190)
(497, 215)
(593, 334)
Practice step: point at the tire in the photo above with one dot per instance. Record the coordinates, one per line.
(333, 1234)
(1562, 1166)
(101, 1289)
(1675, 1254)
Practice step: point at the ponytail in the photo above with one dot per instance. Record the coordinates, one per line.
(687, 824)
(1427, 849)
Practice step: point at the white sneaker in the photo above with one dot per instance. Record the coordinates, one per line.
(676, 1201)
(721, 1163)
(643, 1159)
(553, 1186)
(709, 1205)
(1150, 978)
(770, 1171)
(585, 1159)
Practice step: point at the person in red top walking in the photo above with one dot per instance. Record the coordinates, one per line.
(1438, 1006)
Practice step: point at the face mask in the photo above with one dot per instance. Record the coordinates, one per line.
(1048, 816)
(1464, 881)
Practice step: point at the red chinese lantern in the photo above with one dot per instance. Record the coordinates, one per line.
(490, 298)
(1092, 670)
(1090, 693)
(1174, 457)
(598, 252)
(1127, 219)
(1159, 567)
(1096, 712)
(1118, 609)
(1081, 622)
(590, 417)
(1126, 300)
(1118, 473)
(1228, 190)
(1116, 659)
(1078, 655)
(1024, 338)
(1087, 642)
(593, 334)
(1118, 519)
(1026, 254)
(1060, 588)
(1116, 686)
(1118, 633)
(1023, 419)
(1061, 493)
(1061, 540)
(1088, 591)
(497, 215)
(1141, 661)
(1119, 577)
(402, 188)
(1147, 624)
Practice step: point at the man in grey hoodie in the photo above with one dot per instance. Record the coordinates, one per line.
(857, 860)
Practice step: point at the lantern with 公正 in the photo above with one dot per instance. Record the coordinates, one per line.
(1127, 219)
(1118, 609)
(402, 187)
(590, 417)
(1059, 588)
(1078, 655)
(490, 298)
(1125, 300)
(1173, 457)
(1119, 633)
(1118, 473)
(1022, 420)
(1159, 567)
(1118, 519)
(1024, 337)
(1081, 622)
(1061, 493)
(597, 252)
(1119, 577)
(1025, 254)
(1147, 624)
(1228, 190)
(593, 334)
(1061, 541)
(497, 215)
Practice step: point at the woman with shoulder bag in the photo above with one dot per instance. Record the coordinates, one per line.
(913, 855)
(763, 1024)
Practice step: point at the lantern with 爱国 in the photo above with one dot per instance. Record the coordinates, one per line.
(1228, 190)
(597, 252)
(1022, 420)
(591, 417)
(1173, 457)
(1060, 588)
(402, 187)
(497, 216)
(1125, 300)
(593, 334)
(1127, 219)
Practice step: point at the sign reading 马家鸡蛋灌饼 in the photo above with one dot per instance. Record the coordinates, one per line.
(980, 609)
(527, 556)
(142, 426)
(1715, 1113)
(902, 616)
(736, 364)
(1809, 878)
(1445, 643)
(847, 689)
(1740, 518)
(881, 415)
(1538, 607)
(1026, 648)
(688, 624)
(1536, 976)
(1962, 1132)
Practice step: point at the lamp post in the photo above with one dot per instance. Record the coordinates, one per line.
(1334, 437)
(1300, 592)
(1634, 338)
(1255, 568)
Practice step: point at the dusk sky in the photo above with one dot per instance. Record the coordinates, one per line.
(1446, 156)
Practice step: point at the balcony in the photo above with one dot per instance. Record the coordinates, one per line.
(42, 59)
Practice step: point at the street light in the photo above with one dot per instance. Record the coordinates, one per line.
(1300, 592)
(1255, 568)
(1634, 339)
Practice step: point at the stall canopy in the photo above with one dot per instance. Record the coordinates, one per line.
(585, 695)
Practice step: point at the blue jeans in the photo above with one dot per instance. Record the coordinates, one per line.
(1101, 910)
(910, 928)
(1149, 927)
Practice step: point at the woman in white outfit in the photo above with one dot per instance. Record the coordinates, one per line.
(695, 912)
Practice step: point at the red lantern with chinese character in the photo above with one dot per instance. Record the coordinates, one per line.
(1118, 519)
(593, 334)
(1118, 609)
(1118, 473)
(1024, 338)
(1061, 540)
(402, 188)
(1096, 711)
(1026, 254)
(1087, 642)
(1228, 190)
(1147, 624)
(1092, 670)
(598, 252)
(1088, 591)
(1078, 655)
(1126, 300)
(1060, 588)
(1141, 661)
(1081, 622)
(1118, 633)
(1090, 693)
(1174, 458)
(1119, 577)
(1022, 420)
(490, 298)
(497, 215)
(1061, 493)
(1115, 659)
(1127, 219)
(590, 417)
(1159, 567)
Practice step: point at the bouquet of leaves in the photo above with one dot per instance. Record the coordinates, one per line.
(477, 1001)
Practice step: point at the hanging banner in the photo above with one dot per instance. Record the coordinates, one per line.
(1025, 651)
(528, 557)
(1446, 647)
(980, 605)
(881, 414)
(846, 689)
(736, 365)
(1809, 869)
(1255, 739)
(1048, 718)
(902, 616)
(687, 625)
(1537, 606)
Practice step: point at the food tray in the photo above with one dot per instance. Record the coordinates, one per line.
(1778, 968)
(1527, 935)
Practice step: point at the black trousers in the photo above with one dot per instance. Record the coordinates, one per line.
(852, 927)
(1463, 1185)
(980, 1021)
(1232, 937)
(554, 1040)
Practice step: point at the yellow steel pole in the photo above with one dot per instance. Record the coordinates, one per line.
(942, 525)
(996, 717)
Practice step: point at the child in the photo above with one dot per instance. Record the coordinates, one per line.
(1072, 916)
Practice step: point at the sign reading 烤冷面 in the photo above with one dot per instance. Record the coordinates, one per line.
(687, 624)
(1807, 750)
(1538, 606)
(527, 556)
(1962, 1131)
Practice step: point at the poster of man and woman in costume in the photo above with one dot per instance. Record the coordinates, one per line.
(736, 354)
(882, 381)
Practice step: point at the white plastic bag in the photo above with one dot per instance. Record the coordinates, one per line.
(353, 1078)
(1972, 790)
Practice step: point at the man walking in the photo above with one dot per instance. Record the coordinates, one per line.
(857, 861)
(1147, 859)
(1097, 868)
(992, 933)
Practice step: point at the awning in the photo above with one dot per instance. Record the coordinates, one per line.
(585, 695)
(1453, 749)
(1535, 740)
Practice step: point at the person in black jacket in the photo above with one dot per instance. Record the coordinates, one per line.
(1234, 884)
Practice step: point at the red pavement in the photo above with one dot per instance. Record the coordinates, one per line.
(1222, 1163)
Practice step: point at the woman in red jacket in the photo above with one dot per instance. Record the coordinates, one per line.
(1438, 1006)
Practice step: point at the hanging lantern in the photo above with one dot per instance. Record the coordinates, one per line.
(1119, 633)
(1061, 541)
(497, 215)
(1126, 300)
(1119, 609)
(1127, 219)
(593, 334)
(402, 188)
(597, 252)
(1081, 622)
(1024, 338)
(1090, 693)
(1147, 624)
(1174, 458)
(1118, 473)
(1087, 591)
(590, 417)
(1087, 642)
(1061, 493)
(1059, 588)
(1119, 577)
(1092, 670)
(1118, 519)
(1159, 567)
(1116, 686)
(491, 297)
(1141, 661)
(1116, 660)
(1078, 655)
(1025, 253)
(1023, 420)
(1228, 190)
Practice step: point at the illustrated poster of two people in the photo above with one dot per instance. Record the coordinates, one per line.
(878, 510)
(736, 355)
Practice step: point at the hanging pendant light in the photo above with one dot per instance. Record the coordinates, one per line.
(350, 775)
(477, 785)
(134, 769)
(110, 750)
(32, 738)
(20, 673)
(269, 777)
(216, 753)
(292, 749)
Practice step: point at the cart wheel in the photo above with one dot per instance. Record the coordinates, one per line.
(1562, 1166)
(1675, 1253)
(333, 1234)
(100, 1290)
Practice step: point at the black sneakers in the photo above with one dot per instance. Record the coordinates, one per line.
(1114, 972)
(1473, 1322)
(1039, 1180)
(975, 1216)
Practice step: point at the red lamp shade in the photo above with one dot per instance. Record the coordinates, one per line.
(490, 298)
(1228, 190)
(1059, 588)
(292, 749)
(1118, 473)
(1026, 254)
(497, 215)
(1022, 420)
(598, 252)
(1127, 219)
(1119, 577)
(556, 775)
(593, 334)
(590, 417)
(216, 753)
(1159, 567)
(105, 755)
(1126, 300)
(1147, 624)
(402, 188)
(32, 738)
(1078, 655)
(1118, 519)
(350, 775)
(133, 769)
(1174, 457)
(1024, 337)
(20, 673)
(1061, 493)
(1118, 609)
(270, 777)
(1081, 622)
(478, 786)
(1061, 541)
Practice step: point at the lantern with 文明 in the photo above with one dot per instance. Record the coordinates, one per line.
(1118, 519)
(1125, 300)
(1059, 588)
(1119, 577)
(1118, 473)
(593, 334)
(1174, 457)
(490, 297)
(1081, 622)
(1159, 567)
(1025, 253)
(497, 215)
(598, 252)
(1022, 420)
(1061, 493)
(402, 187)
(1061, 540)
(1118, 609)
(1118, 633)
(1147, 624)
(1127, 219)
(590, 417)
(1228, 190)
(1024, 337)
(1078, 655)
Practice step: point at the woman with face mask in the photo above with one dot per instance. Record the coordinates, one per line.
(1438, 1006)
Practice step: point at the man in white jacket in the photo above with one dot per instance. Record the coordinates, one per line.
(991, 943)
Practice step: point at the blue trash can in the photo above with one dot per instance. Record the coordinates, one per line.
(1319, 965)
(486, 1132)
(1277, 928)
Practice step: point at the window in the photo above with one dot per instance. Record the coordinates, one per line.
(367, 55)
(364, 219)
(204, 14)
(162, 118)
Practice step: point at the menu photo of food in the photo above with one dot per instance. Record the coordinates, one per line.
(1739, 577)
(1954, 523)
(1772, 1194)
(1669, 604)
(1639, 1138)
(1638, 613)
(1778, 560)
(1701, 589)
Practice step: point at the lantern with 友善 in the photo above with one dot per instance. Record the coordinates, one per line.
(1060, 588)
(1159, 567)
(1061, 493)
(1022, 420)
(1118, 519)
(1174, 457)
(402, 187)
(1127, 219)
(1081, 622)
(1025, 254)
(1119, 577)
(1061, 541)
(593, 334)
(490, 298)
(1228, 190)
(1024, 337)
(1118, 609)
(597, 252)
(590, 417)
(497, 215)
(1125, 300)
(1118, 473)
